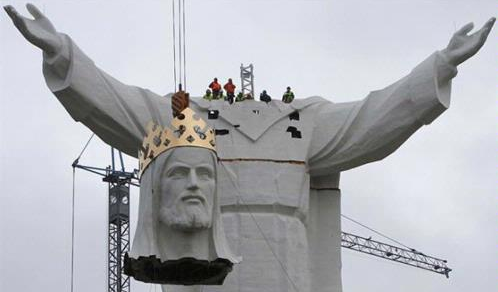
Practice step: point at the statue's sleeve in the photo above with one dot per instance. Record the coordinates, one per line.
(350, 134)
(116, 112)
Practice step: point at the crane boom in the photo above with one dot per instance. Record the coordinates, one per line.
(401, 255)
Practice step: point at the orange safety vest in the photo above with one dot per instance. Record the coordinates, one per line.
(215, 86)
(229, 87)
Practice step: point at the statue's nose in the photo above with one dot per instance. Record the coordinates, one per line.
(193, 182)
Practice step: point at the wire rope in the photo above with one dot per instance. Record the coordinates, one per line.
(375, 231)
(180, 39)
(184, 51)
(174, 43)
(72, 231)
(86, 145)
(237, 194)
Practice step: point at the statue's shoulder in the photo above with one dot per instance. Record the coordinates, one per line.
(314, 101)
(199, 103)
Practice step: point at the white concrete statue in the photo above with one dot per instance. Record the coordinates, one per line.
(279, 164)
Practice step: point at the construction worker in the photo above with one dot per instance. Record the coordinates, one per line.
(248, 97)
(208, 95)
(240, 97)
(264, 97)
(230, 89)
(288, 96)
(215, 87)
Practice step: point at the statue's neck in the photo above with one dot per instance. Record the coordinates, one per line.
(174, 244)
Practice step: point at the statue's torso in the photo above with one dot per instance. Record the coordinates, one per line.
(264, 188)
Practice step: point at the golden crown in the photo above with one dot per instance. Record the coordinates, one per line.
(188, 129)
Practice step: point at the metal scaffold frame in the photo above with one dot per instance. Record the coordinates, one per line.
(118, 244)
(118, 236)
(247, 79)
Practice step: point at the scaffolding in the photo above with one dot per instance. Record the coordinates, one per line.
(247, 79)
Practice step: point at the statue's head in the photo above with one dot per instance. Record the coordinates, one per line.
(178, 202)
(187, 187)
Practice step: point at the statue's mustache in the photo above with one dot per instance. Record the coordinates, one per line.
(192, 195)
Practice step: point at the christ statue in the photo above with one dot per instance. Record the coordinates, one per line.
(279, 163)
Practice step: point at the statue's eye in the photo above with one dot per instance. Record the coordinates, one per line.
(178, 172)
(205, 173)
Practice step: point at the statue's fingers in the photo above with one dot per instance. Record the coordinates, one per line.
(33, 10)
(465, 29)
(489, 24)
(486, 29)
(18, 19)
(12, 12)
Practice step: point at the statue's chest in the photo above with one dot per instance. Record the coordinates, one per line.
(256, 131)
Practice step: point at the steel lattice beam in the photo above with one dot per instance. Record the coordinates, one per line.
(247, 79)
(119, 182)
(119, 234)
(405, 256)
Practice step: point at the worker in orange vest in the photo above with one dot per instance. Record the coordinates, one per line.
(230, 89)
(215, 87)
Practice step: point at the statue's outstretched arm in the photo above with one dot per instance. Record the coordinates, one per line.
(351, 134)
(116, 112)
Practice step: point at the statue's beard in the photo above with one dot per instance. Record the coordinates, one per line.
(186, 216)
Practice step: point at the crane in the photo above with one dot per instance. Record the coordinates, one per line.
(410, 257)
(118, 238)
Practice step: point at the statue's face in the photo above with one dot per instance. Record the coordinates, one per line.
(187, 189)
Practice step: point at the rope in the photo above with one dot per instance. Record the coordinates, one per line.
(180, 38)
(72, 208)
(86, 145)
(237, 194)
(181, 62)
(184, 53)
(269, 246)
(174, 44)
(375, 231)
(72, 231)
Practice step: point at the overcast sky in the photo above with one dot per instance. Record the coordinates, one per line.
(437, 193)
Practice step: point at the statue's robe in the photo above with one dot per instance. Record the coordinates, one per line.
(280, 163)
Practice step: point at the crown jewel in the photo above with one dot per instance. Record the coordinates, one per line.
(188, 129)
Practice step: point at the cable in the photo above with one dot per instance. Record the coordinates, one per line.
(72, 230)
(184, 53)
(84, 148)
(268, 243)
(237, 194)
(72, 208)
(180, 39)
(181, 62)
(375, 231)
(174, 43)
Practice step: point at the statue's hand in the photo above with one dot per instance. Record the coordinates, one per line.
(38, 31)
(463, 46)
